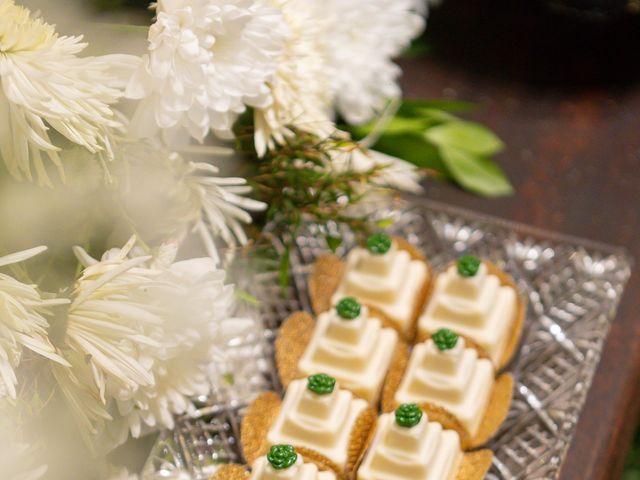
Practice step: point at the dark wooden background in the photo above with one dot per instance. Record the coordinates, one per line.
(564, 95)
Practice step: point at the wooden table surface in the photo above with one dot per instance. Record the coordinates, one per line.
(564, 95)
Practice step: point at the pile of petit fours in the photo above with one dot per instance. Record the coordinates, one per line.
(398, 375)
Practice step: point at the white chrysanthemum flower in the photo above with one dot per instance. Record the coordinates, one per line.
(44, 85)
(145, 329)
(111, 320)
(198, 321)
(82, 397)
(193, 197)
(207, 61)
(192, 297)
(395, 172)
(217, 206)
(22, 322)
(301, 87)
(365, 36)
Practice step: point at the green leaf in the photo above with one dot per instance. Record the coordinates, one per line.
(468, 136)
(418, 48)
(414, 149)
(478, 174)
(399, 125)
(396, 125)
(439, 116)
(333, 242)
(413, 108)
(414, 116)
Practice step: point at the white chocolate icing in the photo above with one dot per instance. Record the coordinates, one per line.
(262, 470)
(390, 282)
(423, 452)
(357, 352)
(477, 307)
(320, 422)
(455, 379)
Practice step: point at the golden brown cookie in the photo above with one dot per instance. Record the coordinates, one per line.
(475, 465)
(231, 472)
(293, 338)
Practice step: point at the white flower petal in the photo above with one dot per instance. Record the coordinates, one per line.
(301, 86)
(365, 36)
(207, 60)
(21, 256)
(44, 86)
(23, 323)
(139, 336)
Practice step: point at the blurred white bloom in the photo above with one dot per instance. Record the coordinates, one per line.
(22, 322)
(396, 173)
(197, 321)
(44, 85)
(121, 474)
(111, 320)
(208, 60)
(301, 87)
(365, 36)
(82, 397)
(19, 460)
(141, 332)
(422, 6)
(179, 196)
(215, 206)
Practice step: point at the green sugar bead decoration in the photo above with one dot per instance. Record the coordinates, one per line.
(379, 243)
(348, 308)
(321, 383)
(282, 456)
(468, 265)
(445, 339)
(408, 415)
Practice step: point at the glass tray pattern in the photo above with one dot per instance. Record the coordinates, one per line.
(573, 286)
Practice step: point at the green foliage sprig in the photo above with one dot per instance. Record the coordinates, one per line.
(299, 184)
(429, 135)
(301, 187)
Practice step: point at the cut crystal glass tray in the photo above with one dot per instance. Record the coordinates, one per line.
(573, 286)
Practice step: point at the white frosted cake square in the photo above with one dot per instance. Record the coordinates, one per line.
(474, 305)
(386, 278)
(315, 416)
(409, 447)
(352, 347)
